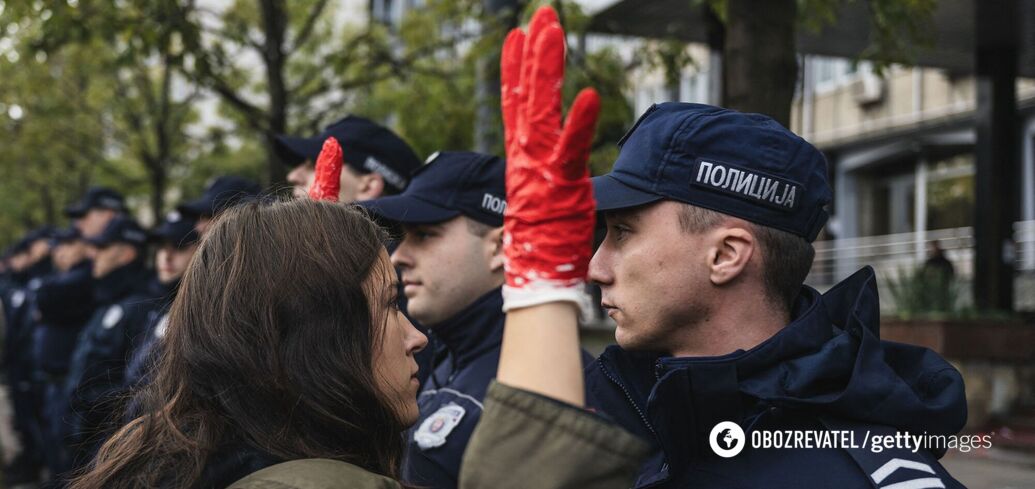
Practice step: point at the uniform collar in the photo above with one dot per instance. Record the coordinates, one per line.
(474, 330)
(683, 398)
(119, 283)
(163, 292)
(829, 360)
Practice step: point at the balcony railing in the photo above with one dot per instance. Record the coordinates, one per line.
(892, 254)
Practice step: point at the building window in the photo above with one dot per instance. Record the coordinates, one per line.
(832, 73)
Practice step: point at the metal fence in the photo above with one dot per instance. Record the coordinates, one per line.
(894, 254)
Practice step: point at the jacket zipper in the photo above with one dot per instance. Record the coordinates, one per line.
(628, 397)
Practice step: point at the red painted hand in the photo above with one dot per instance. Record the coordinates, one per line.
(327, 179)
(550, 208)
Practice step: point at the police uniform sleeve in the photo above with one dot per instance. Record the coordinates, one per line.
(526, 440)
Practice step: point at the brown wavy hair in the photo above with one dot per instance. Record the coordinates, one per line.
(270, 344)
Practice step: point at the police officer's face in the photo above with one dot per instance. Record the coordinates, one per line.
(38, 251)
(109, 258)
(445, 267)
(301, 178)
(395, 368)
(652, 280)
(92, 224)
(69, 254)
(357, 186)
(19, 261)
(201, 225)
(171, 261)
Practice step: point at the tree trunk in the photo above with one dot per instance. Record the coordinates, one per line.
(158, 184)
(487, 124)
(759, 66)
(274, 20)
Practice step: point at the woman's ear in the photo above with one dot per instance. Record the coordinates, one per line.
(729, 253)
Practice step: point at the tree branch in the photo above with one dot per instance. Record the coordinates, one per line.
(308, 26)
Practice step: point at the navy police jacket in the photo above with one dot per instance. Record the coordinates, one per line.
(451, 399)
(96, 371)
(825, 371)
(19, 305)
(155, 324)
(65, 303)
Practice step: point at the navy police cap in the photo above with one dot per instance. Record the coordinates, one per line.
(743, 165)
(96, 198)
(220, 194)
(176, 229)
(41, 233)
(65, 235)
(366, 146)
(450, 184)
(122, 229)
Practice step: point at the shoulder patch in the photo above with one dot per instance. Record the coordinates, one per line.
(17, 298)
(112, 317)
(162, 325)
(437, 427)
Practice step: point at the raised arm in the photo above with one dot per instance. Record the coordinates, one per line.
(548, 226)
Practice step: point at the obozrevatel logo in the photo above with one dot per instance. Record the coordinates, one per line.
(727, 439)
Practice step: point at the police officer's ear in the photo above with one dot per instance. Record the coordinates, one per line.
(371, 186)
(730, 247)
(495, 239)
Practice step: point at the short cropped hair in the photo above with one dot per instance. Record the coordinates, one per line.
(478, 228)
(786, 258)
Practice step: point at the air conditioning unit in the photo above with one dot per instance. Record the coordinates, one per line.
(868, 89)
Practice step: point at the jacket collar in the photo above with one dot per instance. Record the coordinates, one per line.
(119, 283)
(828, 360)
(474, 330)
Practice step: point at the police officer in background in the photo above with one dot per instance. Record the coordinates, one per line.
(377, 161)
(30, 263)
(221, 193)
(95, 210)
(710, 216)
(96, 372)
(176, 240)
(64, 302)
(451, 267)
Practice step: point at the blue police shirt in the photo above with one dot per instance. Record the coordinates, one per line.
(825, 370)
(451, 399)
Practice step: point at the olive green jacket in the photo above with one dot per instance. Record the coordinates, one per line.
(523, 441)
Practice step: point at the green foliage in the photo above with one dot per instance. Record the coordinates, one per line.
(109, 90)
(55, 144)
(925, 292)
(898, 27)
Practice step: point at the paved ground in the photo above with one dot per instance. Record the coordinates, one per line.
(995, 470)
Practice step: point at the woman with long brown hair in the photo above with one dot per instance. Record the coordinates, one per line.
(287, 362)
(272, 355)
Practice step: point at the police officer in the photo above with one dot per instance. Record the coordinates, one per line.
(451, 267)
(64, 302)
(377, 161)
(97, 367)
(710, 217)
(30, 263)
(220, 194)
(176, 240)
(95, 210)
